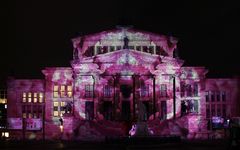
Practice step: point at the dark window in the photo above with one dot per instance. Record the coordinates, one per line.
(112, 48)
(213, 110)
(145, 91)
(119, 47)
(218, 109)
(163, 90)
(89, 110)
(151, 48)
(158, 50)
(189, 90)
(131, 47)
(89, 91)
(207, 96)
(163, 111)
(107, 91)
(212, 96)
(182, 89)
(223, 96)
(138, 48)
(195, 89)
(99, 49)
(218, 96)
(89, 52)
(145, 49)
(207, 111)
(104, 49)
(107, 110)
(224, 110)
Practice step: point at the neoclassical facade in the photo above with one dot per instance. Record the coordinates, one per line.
(117, 78)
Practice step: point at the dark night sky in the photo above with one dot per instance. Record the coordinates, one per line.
(39, 32)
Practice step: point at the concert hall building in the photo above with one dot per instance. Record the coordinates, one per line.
(117, 78)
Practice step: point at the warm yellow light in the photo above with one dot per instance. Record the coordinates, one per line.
(61, 128)
(6, 134)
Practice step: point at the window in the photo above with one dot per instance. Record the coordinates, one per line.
(119, 47)
(24, 100)
(63, 92)
(163, 90)
(89, 110)
(218, 96)
(107, 91)
(29, 97)
(207, 96)
(195, 89)
(223, 96)
(131, 47)
(182, 89)
(219, 110)
(138, 48)
(189, 90)
(69, 91)
(55, 109)
(158, 50)
(40, 98)
(207, 111)
(88, 91)
(99, 49)
(55, 91)
(35, 97)
(213, 110)
(145, 49)
(112, 48)
(212, 96)
(151, 48)
(224, 110)
(144, 91)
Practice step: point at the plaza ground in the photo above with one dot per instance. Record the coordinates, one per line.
(223, 144)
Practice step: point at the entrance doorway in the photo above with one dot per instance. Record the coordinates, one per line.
(126, 112)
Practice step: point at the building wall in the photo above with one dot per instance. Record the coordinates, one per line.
(141, 71)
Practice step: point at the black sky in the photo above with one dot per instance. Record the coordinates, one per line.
(38, 32)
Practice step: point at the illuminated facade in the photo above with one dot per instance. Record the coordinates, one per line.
(117, 77)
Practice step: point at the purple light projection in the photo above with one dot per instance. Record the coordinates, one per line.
(101, 93)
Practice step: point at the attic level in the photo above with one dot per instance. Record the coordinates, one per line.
(110, 41)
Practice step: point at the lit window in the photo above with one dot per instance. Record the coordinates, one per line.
(24, 100)
(55, 91)
(62, 91)
(29, 97)
(55, 109)
(62, 107)
(69, 91)
(55, 113)
(34, 97)
(24, 115)
(40, 97)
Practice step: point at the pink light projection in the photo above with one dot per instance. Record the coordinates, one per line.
(113, 87)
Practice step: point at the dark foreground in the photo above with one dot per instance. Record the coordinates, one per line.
(126, 144)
